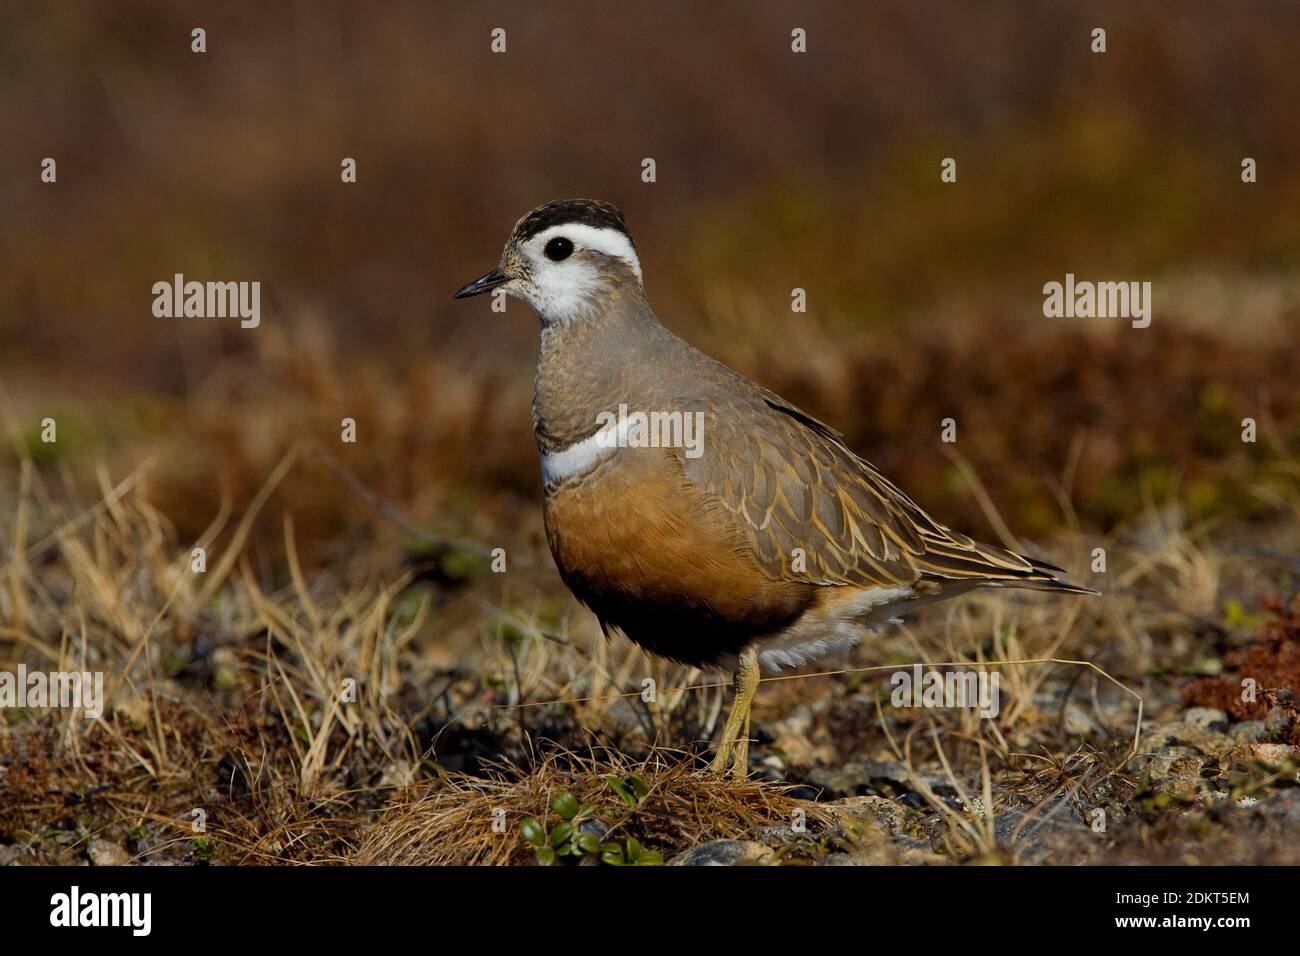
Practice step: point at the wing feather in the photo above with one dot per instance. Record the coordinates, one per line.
(790, 482)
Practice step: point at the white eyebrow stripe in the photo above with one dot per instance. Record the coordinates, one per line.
(609, 241)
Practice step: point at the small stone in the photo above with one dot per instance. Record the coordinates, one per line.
(104, 853)
(1271, 755)
(1248, 731)
(881, 854)
(1029, 831)
(9, 853)
(921, 856)
(1186, 768)
(879, 813)
(1204, 717)
(1277, 720)
(854, 777)
(1168, 736)
(594, 827)
(1182, 789)
(1173, 762)
(841, 779)
(726, 853)
(1285, 805)
(1077, 720)
(903, 852)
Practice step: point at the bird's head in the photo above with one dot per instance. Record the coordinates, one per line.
(563, 259)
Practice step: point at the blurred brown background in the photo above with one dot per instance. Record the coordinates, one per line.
(775, 170)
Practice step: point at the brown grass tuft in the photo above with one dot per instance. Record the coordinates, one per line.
(450, 822)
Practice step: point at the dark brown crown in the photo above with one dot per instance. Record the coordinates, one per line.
(587, 212)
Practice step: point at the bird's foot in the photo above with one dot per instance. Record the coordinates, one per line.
(732, 761)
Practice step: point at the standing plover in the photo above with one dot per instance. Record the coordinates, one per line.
(764, 542)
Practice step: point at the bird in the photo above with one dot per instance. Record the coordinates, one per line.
(703, 516)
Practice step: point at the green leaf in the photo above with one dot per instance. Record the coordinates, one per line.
(533, 831)
(587, 843)
(565, 805)
(612, 858)
(639, 787)
(546, 856)
(560, 835)
(650, 858)
(621, 789)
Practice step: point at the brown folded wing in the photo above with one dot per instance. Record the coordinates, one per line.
(814, 511)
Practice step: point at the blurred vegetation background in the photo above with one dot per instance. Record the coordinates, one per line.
(775, 170)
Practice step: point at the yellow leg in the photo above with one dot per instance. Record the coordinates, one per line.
(740, 769)
(735, 735)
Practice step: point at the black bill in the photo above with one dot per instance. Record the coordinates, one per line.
(484, 283)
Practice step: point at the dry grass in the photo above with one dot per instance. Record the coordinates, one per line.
(305, 716)
(337, 686)
(451, 822)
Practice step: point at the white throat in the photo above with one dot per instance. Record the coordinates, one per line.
(582, 456)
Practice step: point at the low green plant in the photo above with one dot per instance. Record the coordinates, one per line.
(566, 840)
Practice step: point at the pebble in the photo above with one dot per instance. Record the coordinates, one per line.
(1204, 717)
(878, 813)
(1270, 755)
(104, 853)
(726, 853)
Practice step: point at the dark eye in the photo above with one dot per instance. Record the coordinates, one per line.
(558, 248)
